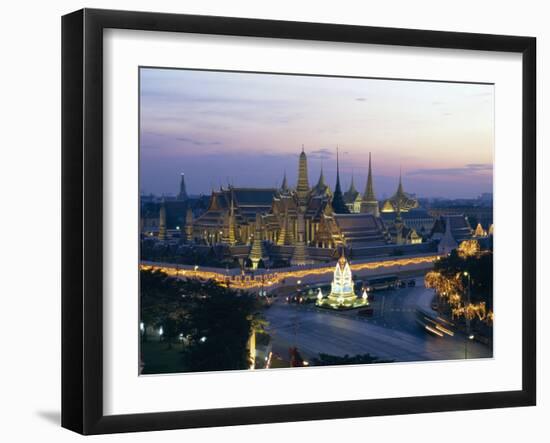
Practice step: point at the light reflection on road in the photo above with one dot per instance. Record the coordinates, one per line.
(392, 335)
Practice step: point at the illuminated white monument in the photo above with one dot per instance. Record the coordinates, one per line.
(342, 293)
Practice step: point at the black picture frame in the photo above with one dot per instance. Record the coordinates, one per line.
(82, 215)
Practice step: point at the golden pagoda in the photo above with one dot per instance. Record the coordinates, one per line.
(257, 251)
(480, 232)
(369, 204)
(400, 199)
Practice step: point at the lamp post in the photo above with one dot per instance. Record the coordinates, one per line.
(469, 336)
(142, 330)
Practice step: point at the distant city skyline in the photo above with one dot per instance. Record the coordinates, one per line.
(244, 129)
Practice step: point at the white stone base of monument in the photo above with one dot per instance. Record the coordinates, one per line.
(340, 301)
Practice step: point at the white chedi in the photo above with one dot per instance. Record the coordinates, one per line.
(342, 292)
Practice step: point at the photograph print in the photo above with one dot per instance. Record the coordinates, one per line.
(293, 221)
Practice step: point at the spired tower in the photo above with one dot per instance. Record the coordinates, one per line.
(341, 291)
(257, 251)
(321, 188)
(189, 225)
(284, 185)
(162, 222)
(182, 195)
(369, 205)
(338, 203)
(299, 256)
(302, 188)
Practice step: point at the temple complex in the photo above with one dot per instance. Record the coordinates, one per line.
(304, 224)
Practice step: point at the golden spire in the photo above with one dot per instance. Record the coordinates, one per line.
(352, 184)
(284, 185)
(283, 237)
(369, 189)
(302, 189)
(257, 252)
(400, 186)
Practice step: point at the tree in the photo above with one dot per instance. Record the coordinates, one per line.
(468, 269)
(217, 321)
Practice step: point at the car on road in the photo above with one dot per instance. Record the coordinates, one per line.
(382, 283)
(433, 324)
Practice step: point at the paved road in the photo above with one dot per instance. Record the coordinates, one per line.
(391, 334)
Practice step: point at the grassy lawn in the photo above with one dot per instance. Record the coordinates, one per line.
(159, 359)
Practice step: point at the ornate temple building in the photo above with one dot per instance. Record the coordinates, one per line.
(457, 224)
(353, 198)
(301, 217)
(400, 200)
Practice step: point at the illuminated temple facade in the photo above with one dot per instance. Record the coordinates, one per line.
(303, 216)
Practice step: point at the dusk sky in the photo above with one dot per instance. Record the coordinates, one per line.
(248, 129)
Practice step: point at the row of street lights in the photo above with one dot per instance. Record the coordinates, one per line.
(469, 336)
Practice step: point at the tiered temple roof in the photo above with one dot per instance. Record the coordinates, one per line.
(352, 197)
(400, 199)
(247, 203)
(321, 189)
(459, 226)
(360, 230)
